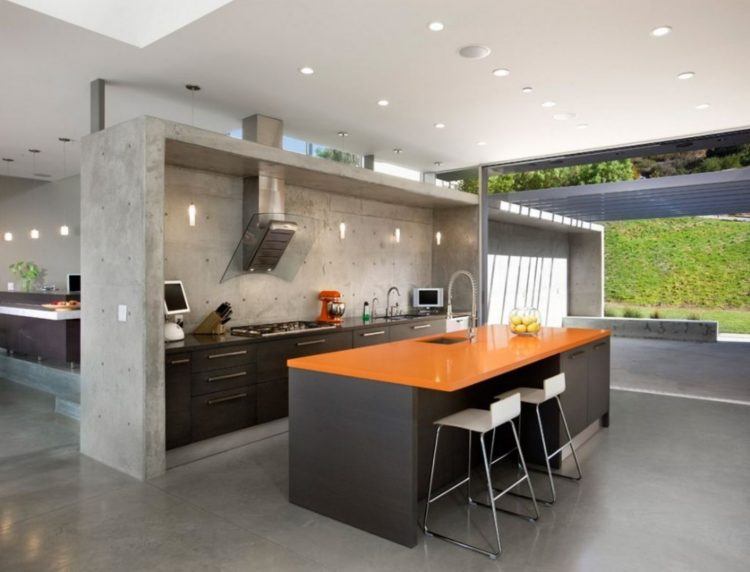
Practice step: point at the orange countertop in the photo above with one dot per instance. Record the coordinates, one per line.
(448, 367)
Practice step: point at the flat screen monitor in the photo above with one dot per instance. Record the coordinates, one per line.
(175, 301)
(74, 282)
(428, 298)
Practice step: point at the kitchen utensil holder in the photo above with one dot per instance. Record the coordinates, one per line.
(210, 326)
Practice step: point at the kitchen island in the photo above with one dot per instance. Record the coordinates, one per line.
(361, 420)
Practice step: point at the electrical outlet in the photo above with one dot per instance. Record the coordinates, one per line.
(122, 313)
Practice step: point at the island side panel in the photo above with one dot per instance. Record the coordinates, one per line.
(353, 452)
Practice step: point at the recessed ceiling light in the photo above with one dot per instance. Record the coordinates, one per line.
(383, 103)
(582, 126)
(563, 116)
(549, 104)
(474, 52)
(8, 159)
(398, 151)
(501, 72)
(437, 163)
(440, 126)
(481, 143)
(343, 134)
(527, 89)
(686, 75)
(436, 26)
(661, 31)
(702, 106)
(43, 175)
(306, 70)
(192, 87)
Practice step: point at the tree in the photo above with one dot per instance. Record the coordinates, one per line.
(336, 155)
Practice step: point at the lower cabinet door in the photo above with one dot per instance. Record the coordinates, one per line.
(273, 400)
(222, 412)
(598, 398)
(574, 364)
(177, 400)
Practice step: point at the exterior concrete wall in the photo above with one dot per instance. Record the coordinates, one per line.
(122, 363)
(362, 266)
(586, 274)
(46, 206)
(458, 251)
(680, 330)
(526, 266)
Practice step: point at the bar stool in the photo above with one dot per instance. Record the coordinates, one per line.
(482, 422)
(553, 387)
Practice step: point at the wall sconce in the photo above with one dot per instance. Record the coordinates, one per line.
(438, 238)
(64, 230)
(8, 236)
(342, 230)
(191, 214)
(34, 233)
(397, 235)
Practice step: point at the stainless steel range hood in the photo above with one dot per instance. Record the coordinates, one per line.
(276, 238)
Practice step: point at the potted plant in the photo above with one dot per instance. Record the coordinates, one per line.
(28, 272)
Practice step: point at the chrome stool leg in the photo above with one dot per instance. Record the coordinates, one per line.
(570, 442)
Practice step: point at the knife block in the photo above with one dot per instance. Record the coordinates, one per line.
(210, 326)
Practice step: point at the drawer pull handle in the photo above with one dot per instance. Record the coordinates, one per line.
(179, 361)
(422, 327)
(378, 333)
(600, 345)
(228, 354)
(576, 354)
(311, 342)
(223, 399)
(227, 376)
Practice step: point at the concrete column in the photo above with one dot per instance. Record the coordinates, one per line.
(97, 105)
(122, 263)
(264, 130)
(369, 162)
(586, 274)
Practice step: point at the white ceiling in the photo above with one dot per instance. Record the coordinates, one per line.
(595, 59)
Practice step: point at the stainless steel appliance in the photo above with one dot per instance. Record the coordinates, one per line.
(427, 298)
(278, 329)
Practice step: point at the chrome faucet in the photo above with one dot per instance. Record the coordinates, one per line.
(473, 319)
(373, 308)
(389, 310)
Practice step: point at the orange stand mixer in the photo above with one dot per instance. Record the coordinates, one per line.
(332, 308)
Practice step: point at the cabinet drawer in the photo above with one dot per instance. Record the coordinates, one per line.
(218, 413)
(223, 357)
(598, 396)
(273, 400)
(371, 337)
(221, 379)
(417, 330)
(272, 356)
(177, 364)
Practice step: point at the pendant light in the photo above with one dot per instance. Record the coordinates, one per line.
(7, 161)
(193, 89)
(64, 229)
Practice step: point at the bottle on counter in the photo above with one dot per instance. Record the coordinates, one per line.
(366, 315)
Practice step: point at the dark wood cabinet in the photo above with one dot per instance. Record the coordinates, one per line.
(273, 400)
(221, 412)
(418, 330)
(575, 365)
(273, 355)
(221, 379)
(221, 357)
(598, 381)
(177, 370)
(371, 337)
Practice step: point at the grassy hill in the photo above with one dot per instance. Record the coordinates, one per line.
(683, 262)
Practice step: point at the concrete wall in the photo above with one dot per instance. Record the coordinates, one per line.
(30, 203)
(362, 266)
(526, 266)
(586, 274)
(458, 251)
(649, 328)
(122, 364)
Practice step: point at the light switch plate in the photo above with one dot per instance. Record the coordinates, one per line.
(122, 313)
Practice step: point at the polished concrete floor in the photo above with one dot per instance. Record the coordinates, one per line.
(664, 488)
(705, 370)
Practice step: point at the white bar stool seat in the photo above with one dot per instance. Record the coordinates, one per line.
(553, 387)
(482, 422)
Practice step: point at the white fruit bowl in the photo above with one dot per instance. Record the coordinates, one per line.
(525, 321)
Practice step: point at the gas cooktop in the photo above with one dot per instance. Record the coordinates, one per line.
(278, 329)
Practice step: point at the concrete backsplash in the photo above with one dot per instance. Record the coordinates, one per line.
(362, 266)
(30, 203)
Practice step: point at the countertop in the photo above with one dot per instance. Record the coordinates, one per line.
(36, 311)
(449, 367)
(193, 342)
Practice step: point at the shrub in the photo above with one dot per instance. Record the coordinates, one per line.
(656, 315)
(631, 313)
(609, 312)
(693, 316)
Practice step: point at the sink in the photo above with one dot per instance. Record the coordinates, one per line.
(444, 340)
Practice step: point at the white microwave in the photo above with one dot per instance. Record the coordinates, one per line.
(427, 298)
